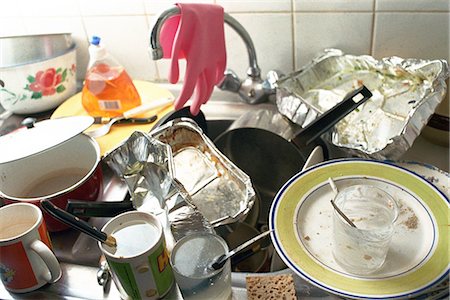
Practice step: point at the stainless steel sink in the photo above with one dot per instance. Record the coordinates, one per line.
(79, 255)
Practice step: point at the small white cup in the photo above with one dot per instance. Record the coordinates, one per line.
(362, 250)
(26, 259)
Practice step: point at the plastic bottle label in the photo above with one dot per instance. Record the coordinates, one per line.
(109, 104)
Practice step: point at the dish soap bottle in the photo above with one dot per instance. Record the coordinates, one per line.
(108, 89)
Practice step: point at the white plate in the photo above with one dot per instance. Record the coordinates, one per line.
(436, 176)
(301, 215)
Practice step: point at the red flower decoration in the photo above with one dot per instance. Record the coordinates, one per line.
(46, 82)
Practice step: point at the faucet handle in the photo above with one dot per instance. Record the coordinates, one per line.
(230, 82)
(270, 84)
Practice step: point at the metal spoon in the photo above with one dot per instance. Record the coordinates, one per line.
(336, 191)
(221, 260)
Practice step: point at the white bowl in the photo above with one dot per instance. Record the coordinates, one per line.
(40, 86)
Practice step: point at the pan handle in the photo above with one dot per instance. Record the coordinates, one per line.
(331, 117)
(98, 209)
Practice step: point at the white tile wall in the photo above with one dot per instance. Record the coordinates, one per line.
(272, 37)
(286, 33)
(155, 7)
(413, 5)
(334, 5)
(126, 38)
(427, 37)
(255, 5)
(348, 31)
(111, 7)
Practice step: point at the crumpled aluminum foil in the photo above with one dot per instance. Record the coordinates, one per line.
(405, 94)
(147, 167)
(219, 190)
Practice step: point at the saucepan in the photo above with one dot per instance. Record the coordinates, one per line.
(271, 149)
(52, 161)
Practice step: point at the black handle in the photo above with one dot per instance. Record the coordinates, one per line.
(331, 117)
(98, 209)
(139, 120)
(149, 120)
(73, 221)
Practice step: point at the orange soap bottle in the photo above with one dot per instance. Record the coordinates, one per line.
(108, 90)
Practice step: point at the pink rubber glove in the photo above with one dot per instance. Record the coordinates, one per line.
(197, 35)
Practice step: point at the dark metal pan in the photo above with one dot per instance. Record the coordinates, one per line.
(271, 149)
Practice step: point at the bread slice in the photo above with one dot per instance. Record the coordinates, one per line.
(270, 287)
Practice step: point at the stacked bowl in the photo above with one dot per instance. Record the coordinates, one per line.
(37, 72)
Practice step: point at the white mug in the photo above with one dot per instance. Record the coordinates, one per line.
(26, 259)
(140, 263)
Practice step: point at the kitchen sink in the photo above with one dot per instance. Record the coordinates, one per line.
(80, 256)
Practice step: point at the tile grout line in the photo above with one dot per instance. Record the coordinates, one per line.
(293, 34)
(372, 37)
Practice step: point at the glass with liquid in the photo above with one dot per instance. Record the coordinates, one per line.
(363, 250)
(191, 261)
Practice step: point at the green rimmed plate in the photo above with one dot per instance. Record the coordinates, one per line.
(301, 216)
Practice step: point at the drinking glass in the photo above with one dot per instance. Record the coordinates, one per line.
(191, 261)
(363, 249)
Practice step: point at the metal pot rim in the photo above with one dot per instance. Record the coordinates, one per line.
(95, 165)
(72, 48)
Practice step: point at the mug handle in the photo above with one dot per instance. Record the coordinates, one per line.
(49, 259)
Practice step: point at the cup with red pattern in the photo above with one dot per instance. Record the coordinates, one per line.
(26, 258)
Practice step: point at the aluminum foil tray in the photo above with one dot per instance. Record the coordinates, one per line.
(406, 93)
(218, 189)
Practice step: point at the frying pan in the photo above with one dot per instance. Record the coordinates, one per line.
(271, 149)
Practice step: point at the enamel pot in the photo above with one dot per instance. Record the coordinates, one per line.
(51, 161)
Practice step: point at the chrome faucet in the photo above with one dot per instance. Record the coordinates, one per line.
(252, 89)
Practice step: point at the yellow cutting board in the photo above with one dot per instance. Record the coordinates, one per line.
(119, 132)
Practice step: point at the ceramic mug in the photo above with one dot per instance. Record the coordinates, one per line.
(26, 259)
(140, 263)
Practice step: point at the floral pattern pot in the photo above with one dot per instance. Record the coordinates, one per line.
(40, 86)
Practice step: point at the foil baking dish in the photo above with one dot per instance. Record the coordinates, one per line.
(405, 94)
(218, 189)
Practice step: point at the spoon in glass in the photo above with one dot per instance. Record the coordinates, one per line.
(221, 260)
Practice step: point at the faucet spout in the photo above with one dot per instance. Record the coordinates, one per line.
(157, 51)
(245, 88)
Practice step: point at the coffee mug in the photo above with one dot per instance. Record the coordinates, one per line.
(26, 259)
(139, 264)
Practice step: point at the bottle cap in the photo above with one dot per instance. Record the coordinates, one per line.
(96, 51)
(95, 40)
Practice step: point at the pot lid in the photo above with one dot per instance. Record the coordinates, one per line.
(42, 136)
